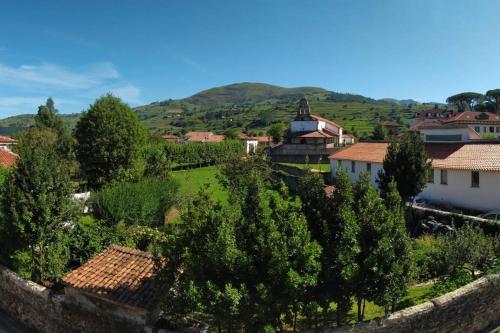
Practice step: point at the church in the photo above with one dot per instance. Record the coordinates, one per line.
(309, 139)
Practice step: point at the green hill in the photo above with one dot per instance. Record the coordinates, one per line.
(253, 107)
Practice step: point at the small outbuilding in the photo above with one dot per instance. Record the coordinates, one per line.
(121, 282)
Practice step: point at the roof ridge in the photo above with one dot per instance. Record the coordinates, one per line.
(130, 250)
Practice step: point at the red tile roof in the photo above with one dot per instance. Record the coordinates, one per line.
(373, 152)
(325, 120)
(264, 139)
(457, 156)
(171, 137)
(120, 275)
(474, 117)
(204, 137)
(6, 139)
(7, 158)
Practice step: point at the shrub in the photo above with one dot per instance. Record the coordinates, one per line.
(88, 237)
(425, 258)
(141, 203)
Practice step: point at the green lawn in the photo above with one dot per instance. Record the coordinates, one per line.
(192, 180)
(320, 167)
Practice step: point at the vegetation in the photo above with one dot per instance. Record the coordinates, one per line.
(35, 204)
(256, 261)
(465, 101)
(407, 164)
(108, 139)
(379, 132)
(140, 203)
(277, 131)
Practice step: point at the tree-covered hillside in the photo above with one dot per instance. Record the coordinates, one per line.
(253, 107)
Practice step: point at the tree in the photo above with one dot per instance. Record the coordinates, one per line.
(493, 96)
(371, 216)
(277, 131)
(343, 268)
(256, 260)
(408, 164)
(47, 117)
(109, 135)
(232, 134)
(394, 252)
(36, 203)
(465, 101)
(379, 132)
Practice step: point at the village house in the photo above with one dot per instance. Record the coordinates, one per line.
(309, 137)
(444, 126)
(203, 137)
(252, 142)
(6, 143)
(119, 282)
(464, 175)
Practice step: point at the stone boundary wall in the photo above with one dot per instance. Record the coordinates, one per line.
(42, 310)
(472, 308)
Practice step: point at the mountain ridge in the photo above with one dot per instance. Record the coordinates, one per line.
(250, 106)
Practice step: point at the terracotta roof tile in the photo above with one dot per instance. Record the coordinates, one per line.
(120, 275)
(458, 156)
(204, 137)
(7, 158)
(6, 139)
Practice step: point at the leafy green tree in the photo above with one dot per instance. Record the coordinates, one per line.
(47, 117)
(407, 163)
(493, 96)
(467, 250)
(255, 262)
(465, 101)
(342, 270)
(36, 203)
(371, 216)
(108, 138)
(277, 131)
(379, 132)
(394, 253)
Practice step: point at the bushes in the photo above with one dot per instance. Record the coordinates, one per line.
(425, 258)
(141, 203)
(193, 153)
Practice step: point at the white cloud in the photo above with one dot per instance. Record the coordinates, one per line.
(77, 87)
(57, 76)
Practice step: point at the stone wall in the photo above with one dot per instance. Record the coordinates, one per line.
(43, 310)
(472, 308)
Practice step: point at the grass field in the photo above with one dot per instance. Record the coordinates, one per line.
(320, 167)
(192, 180)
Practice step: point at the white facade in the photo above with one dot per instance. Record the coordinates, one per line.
(251, 145)
(459, 190)
(440, 134)
(359, 167)
(314, 125)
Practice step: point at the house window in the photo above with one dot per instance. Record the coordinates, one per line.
(477, 129)
(369, 167)
(492, 129)
(444, 177)
(474, 179)
(353, 166)
(498, 129)
(431, 177)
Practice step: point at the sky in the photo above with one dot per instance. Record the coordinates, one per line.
(146, 51)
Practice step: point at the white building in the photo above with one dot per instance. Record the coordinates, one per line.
(7, 143)
(464, 126)
(465, 175)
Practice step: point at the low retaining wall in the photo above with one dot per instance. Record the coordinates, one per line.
(40, 309)
(472, 308)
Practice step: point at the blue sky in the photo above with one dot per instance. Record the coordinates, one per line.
(144, 51)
